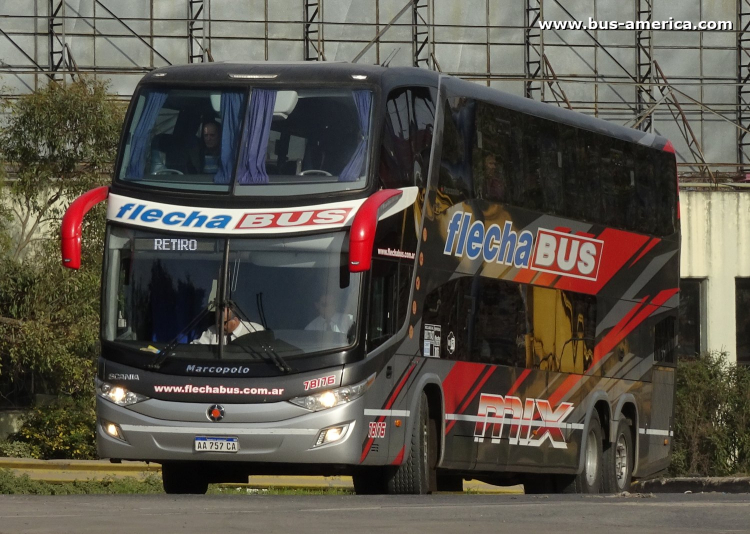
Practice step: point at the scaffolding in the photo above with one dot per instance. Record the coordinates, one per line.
(590, 72)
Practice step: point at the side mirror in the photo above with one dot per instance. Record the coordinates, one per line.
(364, 226)
(70, 231)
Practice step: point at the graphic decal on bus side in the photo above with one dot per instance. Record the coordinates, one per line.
(528, 423)
(552, 251)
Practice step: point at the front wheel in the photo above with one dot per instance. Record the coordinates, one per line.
(618, 460)
(418, 474)
(183, 479)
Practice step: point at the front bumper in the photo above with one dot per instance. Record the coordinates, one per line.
(148, 437)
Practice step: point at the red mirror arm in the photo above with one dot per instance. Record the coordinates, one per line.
(364, 226)
(70, 232)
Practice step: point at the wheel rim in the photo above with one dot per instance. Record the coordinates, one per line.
(621, 461)
(592, 459)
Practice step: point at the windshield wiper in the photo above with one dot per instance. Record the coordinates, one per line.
(282, 365)
(164, 353)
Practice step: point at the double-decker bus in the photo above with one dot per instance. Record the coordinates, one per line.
(387, 273)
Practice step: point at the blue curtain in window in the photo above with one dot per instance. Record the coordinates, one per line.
(141, 141)
(260, 114)
(231, 104)
(353, 169)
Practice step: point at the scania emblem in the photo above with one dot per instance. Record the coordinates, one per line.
(215, 412)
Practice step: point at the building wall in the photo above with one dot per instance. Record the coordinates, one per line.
(716, 248)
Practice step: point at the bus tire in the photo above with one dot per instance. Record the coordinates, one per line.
(183, 479)
(618, 459)
(590, 478)
(417, 475)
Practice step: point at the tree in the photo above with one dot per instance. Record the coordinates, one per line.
(57, 143)
(61, 141)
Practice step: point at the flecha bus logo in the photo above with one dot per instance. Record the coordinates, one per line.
(567, 254)
(289, 219)
(552, 251)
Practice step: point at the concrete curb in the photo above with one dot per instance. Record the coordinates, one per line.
(694, 485)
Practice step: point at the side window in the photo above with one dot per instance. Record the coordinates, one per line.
(455, 171)
(562, 330)
(490, 155)
(665, 194)
(499, 329)
(390, 282)
(550, 167)
(445, 321)
(407, 142)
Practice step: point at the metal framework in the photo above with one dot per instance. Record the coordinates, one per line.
(60, 59)
(644, 50)
(313, 30)
(621, 84)
(533, 55)
(743, 85)
(199, 32)
(420, 49)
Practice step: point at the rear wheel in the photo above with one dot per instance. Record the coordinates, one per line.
(183, 479)
(618, 460)
(417, 474)
(590, 478)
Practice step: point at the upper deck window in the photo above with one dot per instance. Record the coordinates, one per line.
(305, 141)
(183, 139)
(283, 142)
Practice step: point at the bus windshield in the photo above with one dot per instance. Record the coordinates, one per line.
(276, 142)
(291, 292)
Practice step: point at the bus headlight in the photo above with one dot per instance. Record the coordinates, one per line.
(118, 394)
(333, 397)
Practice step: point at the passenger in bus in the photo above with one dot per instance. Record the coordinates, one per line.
(234, 328)
(204, 159)
(328, 319)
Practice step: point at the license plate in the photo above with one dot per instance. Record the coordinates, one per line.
(205, 444)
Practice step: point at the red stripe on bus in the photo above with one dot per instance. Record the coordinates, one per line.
(457, 384)
(645, 251)
(400, 386)
(467, 401)
(619, 247)
(518, 381)
(610, 341)
(387, 406)
(399, 457)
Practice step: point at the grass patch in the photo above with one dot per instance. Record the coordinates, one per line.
(12, 484)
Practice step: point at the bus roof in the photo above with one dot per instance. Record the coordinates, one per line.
(388, 78)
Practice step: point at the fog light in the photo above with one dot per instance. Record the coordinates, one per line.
(331, 434)
(113, 430)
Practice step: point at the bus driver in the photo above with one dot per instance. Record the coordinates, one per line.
(234, 327)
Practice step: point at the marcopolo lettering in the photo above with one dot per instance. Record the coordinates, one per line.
(217, 370)
(194, 219)
(555, 252)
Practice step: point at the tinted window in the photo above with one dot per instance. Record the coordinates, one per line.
(742, 305)
(407, 141)
(690, 318)
(392, 267)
